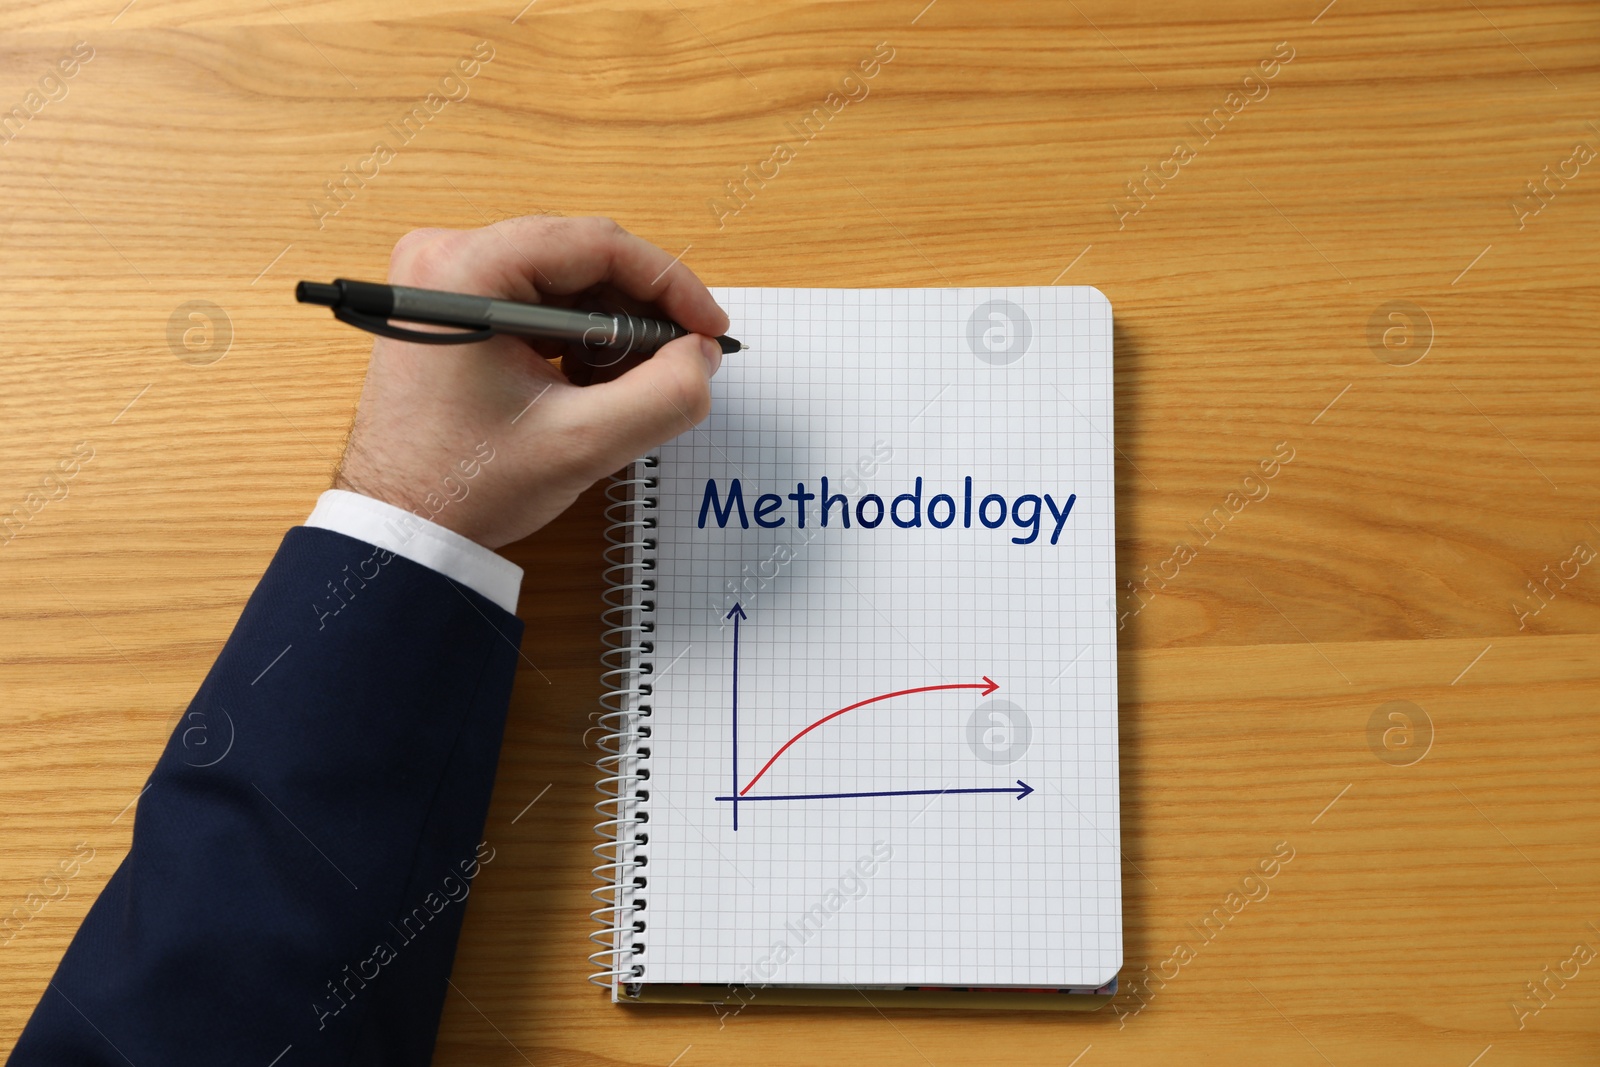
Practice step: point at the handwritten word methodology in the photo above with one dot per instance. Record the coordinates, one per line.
(906, 511)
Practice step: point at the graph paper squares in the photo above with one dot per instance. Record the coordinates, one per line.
(874, 388)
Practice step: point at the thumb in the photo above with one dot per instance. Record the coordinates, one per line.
(666, 395)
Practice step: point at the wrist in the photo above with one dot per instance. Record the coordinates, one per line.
(438, 500)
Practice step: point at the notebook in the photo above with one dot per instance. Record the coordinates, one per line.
(861, 661)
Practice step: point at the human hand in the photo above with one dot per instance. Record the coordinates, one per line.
(429, 416)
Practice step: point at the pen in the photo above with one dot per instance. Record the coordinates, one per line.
(370, 306)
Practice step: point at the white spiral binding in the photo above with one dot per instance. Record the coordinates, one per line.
(629, 641)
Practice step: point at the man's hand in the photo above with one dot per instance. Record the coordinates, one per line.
(429, 415)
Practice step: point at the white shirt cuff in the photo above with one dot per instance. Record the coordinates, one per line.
(421, 541)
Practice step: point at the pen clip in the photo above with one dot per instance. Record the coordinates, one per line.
(381, 327)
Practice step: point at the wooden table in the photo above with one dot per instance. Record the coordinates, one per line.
(1343, 262)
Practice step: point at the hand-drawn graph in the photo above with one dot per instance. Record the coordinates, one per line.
(741, 794)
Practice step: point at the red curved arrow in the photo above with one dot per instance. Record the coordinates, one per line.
(988, 685)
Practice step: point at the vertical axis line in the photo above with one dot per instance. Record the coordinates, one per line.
(736, 619)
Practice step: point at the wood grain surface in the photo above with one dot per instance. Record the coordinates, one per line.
(1336, 267)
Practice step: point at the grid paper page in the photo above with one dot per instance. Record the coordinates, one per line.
(959, 833)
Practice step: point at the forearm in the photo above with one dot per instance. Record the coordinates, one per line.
(299, 877)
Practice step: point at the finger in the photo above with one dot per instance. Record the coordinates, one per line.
(610, 299)
(599, 366)
(566, 256)
(656, 401)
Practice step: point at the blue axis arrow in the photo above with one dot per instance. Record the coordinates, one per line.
(736, 613)
(1021, 792)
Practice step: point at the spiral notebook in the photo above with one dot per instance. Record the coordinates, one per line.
(861, 662)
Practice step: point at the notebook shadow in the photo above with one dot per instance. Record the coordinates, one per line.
(1133, 490)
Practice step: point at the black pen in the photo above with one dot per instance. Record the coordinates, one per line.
(370, 306)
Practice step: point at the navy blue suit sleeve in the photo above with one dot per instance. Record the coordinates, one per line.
(304, 850)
